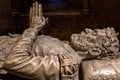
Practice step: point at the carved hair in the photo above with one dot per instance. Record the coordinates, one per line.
(98, 42)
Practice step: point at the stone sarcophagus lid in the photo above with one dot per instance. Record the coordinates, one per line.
(101, 69)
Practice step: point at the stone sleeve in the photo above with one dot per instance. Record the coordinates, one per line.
(23, 63)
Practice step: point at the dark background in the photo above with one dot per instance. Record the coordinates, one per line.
(103, 13)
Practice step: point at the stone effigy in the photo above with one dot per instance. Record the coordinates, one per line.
(94, 52)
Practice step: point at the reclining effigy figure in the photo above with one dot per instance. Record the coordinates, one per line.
(47, 58)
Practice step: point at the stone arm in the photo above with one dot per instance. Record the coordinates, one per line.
(22, 62)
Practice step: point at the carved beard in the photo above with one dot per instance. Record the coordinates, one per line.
(98, 42)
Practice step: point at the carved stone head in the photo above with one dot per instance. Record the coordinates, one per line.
(96, 43)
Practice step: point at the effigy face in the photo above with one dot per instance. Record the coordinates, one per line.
(96, 43)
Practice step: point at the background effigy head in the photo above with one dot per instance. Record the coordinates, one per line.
(98, 42)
